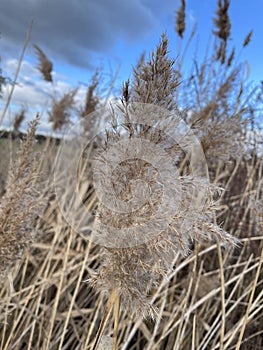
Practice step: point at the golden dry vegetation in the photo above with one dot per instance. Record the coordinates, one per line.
(198, 287)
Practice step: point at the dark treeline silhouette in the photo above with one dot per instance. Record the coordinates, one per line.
(4, 134)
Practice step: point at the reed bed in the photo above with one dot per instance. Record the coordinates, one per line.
(197, 289)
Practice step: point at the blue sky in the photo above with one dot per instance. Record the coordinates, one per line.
(79, 36)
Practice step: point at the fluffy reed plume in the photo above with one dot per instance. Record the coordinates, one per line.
(20, 205)
(136, 257)
(220, 134)
(227, 129)
(217, 112)
(61, 110)
(155, 81)
(141, 244)
(45, 65)
(180, 20)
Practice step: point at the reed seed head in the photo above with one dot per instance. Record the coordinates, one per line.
(45, 65)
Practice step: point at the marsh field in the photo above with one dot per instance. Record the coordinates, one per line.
(164, 250)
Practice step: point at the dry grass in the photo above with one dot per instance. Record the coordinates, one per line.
(209, 299)
(48, 306)
(46, 303)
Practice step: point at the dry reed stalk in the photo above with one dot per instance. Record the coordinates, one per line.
(17, 71)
